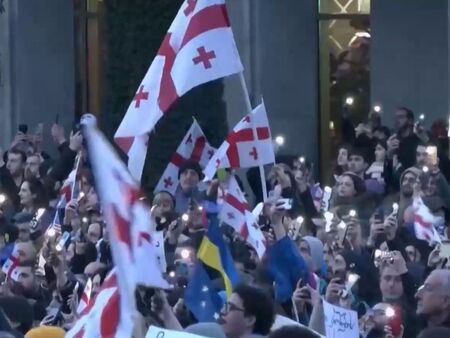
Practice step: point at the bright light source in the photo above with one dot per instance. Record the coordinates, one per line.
(51, 232)
(342, 225)
(422, 117)
(200, 208)
(448, 132)
(185, 218)
(39, 213)
(349, 100)
(300, 219)
(352, 213)
(395, 207)
(430, 150)
(425, 169)
(376, 108)
(58, 247)
(353, 278)
(389, 312)
(185, 253)
(172, 274)
(85, 219)
(301, 159)
(205, 289)
(378, 253)
(2, 198)
(328, 216)
(279, 140)
(331, 125)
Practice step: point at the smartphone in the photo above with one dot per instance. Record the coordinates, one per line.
(432, 155)
(284, 203)
(76, 127)
(395, 320)
(379, 216)
(23, 128)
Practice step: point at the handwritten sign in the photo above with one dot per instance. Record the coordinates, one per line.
(157, 332)
(340, 322)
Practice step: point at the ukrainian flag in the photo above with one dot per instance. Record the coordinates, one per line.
(214, 253)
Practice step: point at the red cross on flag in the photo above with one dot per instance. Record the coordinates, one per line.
(10, 265)
(85, 297)
(424, 222)
(127, 218)
(104, 317)
(194, 146)
(236, 213)
(240, 149)
(198, 48)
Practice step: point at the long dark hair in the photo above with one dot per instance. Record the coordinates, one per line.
(37, 188)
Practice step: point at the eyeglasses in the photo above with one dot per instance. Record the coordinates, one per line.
(228, 307)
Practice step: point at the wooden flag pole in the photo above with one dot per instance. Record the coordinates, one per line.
(255, 135)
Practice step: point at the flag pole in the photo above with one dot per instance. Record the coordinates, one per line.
(77, 164)
(255, 135)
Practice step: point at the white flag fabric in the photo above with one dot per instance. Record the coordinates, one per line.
(240, 149)
(10, 266)
(129, 224)
(194, 146)
(127, 216)
(236, 213)
(104, 317)
(424, 222)
(199, 47)
(85, 297)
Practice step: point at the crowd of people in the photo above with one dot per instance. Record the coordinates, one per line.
(361, 229)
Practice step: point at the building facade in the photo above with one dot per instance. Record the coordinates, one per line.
(295, 53)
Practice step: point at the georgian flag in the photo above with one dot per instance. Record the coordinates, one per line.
(198, 48)
(85, 297)
(424, 222)
(104, 316)
(194, 146)
(10, 266)
(126, 215)
(240, 149)
(236, 213)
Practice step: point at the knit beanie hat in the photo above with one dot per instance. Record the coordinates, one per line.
(413, 170)
(46, 332)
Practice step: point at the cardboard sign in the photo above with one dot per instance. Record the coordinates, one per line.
(340, 322)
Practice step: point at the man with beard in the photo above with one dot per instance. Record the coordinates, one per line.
(28, 286)
(404, 142)
(32, 166)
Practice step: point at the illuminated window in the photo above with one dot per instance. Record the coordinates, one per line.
(344, 35)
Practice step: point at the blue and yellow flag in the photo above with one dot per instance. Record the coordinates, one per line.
(214, 253)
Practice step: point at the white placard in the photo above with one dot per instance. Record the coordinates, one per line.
(158, 238)
(157, 332)
(340, 322)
